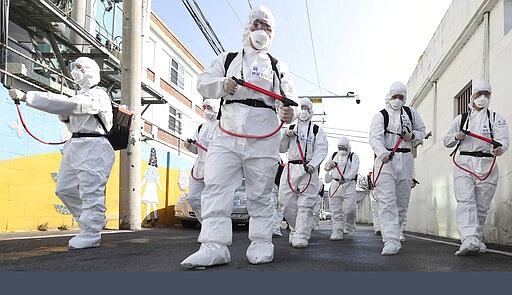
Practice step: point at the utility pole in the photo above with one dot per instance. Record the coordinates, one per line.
(130, 167)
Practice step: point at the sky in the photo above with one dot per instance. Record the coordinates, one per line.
(330, 46)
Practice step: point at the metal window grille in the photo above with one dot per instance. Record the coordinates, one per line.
(462, 100)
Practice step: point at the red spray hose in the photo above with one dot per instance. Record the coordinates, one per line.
(286, 101)
(390, 158)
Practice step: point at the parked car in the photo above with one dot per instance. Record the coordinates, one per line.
(184, 213)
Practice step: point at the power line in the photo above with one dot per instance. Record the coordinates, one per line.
(204, 26)
(343, 134)
(354, 140)
(249, 2)
(239, 20)
(312, 43)
(318, 85)
(349, 130)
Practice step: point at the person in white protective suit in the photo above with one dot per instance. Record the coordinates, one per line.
(393, 173)
(245, 112)
(473, 195)
(374, 206)
(342, 171)
(88, 156)
(203, 135)
(317, 209)
(298, 190)
(278, 212)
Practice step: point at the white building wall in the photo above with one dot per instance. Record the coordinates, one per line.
(454, 58)
(157, 53)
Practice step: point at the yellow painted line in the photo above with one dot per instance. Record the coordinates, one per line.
(458, 245)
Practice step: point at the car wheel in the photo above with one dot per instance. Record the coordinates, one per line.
(189, 223)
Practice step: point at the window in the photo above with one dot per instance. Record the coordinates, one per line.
(507, 13)
(462, 100)
(149, 57)
(174, 120)
(177, 74)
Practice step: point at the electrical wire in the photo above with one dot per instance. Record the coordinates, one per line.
(312, 44)
(348, 135)
(210, 29)
(204, 26)
(354, 140)
(313, 83)
(239, 20)
(349, 130)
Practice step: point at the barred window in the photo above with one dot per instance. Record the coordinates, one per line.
(462, 100)
(177, 74)
(174, 120)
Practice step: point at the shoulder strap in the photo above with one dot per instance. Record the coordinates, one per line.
(463, 120)
(227, 62)
(229, 59)
(350, 156)
(199, 128)
(315, 129)
(386, 118)
(409, 113)
(489, 119)
(334, 155)
(101, 122)
(273, 63)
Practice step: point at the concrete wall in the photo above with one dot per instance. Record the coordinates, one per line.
(453, 59)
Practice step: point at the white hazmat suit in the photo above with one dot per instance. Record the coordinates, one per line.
(296, 195)
(473, 195)
(231, 157)
(87, 161)
(393, 184)
(342, 171)
(203, 135)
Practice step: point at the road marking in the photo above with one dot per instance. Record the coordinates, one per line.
(61, 235)
(458, 245)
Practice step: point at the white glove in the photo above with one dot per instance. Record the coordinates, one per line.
(286, 114)
(328, 177)
(408, 136)
(497, 151)
(460, 135)
(310, 169)
(330, 164)
(291, 133)
(385, 159)
(230, 86)
(17, 94)
(187, 145)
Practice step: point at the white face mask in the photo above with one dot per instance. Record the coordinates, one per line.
(78, 75)
(208, 115)
(343, 151)
(396, 104)
(482, 101)
(304, 115)
(259, 39)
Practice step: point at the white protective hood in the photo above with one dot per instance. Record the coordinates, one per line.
(263, 13)
(396, 88)
(91, 72)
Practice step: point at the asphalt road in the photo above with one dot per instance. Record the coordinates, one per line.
(161, 249)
